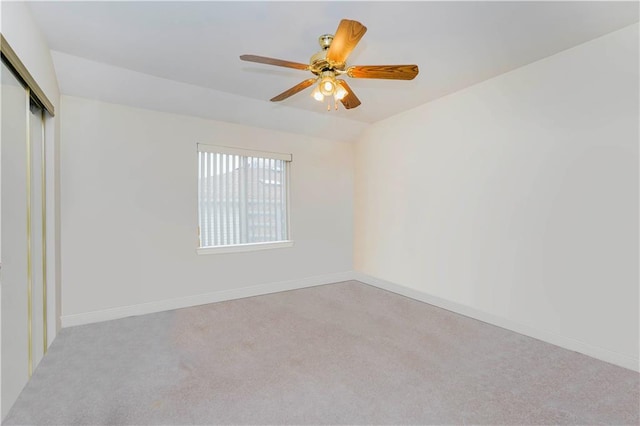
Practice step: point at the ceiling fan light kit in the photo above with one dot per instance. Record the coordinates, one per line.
(331, 62)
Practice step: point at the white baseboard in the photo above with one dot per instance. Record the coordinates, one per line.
(606, 355)
(220, 296)
(201, 299)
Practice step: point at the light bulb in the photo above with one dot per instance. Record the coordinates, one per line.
(340, 93)
(317, 95)
(327, 86)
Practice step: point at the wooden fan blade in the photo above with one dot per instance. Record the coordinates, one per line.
(272, 61)
(346, 38)
(391, 72)
(350, 100)
(295, 89)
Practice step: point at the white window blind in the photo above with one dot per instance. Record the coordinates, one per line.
(242, 196)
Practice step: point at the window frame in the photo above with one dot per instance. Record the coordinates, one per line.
(246, 247)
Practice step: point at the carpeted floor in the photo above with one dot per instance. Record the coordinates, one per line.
(345, 353)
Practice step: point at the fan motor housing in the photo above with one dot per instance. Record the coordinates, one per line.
(319, 62)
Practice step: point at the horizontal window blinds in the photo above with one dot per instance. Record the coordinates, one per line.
(242, 196)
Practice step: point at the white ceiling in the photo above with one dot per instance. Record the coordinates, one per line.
(455, 44)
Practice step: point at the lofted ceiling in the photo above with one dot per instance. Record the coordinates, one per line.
(187, 46)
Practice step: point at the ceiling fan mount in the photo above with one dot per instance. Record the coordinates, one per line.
(325, 41)
(331, 61)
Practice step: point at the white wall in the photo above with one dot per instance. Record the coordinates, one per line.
(21, 32)
(517, 198)
(129, 210)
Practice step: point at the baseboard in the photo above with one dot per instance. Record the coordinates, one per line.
(201, 299)
(606, 355)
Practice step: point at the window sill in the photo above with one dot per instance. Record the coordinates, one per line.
(244, 247)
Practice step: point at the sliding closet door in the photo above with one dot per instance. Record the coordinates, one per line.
(13, 253)
(37, 235)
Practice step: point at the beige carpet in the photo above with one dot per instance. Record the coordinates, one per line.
(344, 353)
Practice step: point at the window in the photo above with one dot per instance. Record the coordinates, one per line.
(242, 199)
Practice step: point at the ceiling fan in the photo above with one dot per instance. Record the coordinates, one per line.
(331, 62)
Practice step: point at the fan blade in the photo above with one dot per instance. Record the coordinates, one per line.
(347, 37)
(272, 61)
(391, 72)
(295, 89)
(350, 100)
